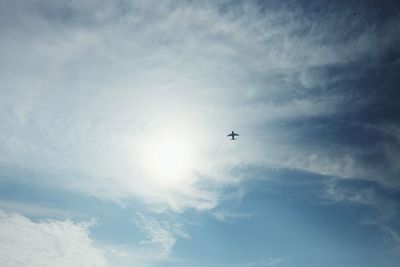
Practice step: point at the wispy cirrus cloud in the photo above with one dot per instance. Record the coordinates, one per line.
(161, 236)
(381, 205)
(96, 79)
(231, 216)
(33, 210)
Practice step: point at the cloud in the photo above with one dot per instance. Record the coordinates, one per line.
(161, 236)
(230, 216)
(29, 209)
(85, 84)
(46, 243)
(273, 261)
(277, 261)
(361, 196)
(381, 203)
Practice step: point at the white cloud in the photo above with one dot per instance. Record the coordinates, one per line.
(29, 209)
(161, 236)
(84, 83)
(360, 196)
(46, 243)
(231, 216)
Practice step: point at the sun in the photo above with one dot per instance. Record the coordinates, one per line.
(168, 158)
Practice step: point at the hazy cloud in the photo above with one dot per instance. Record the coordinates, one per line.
(84, 84)
(230, 216)
(29, 209)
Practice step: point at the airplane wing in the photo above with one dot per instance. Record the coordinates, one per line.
(230, 135)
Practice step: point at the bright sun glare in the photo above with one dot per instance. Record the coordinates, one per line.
(168, 159)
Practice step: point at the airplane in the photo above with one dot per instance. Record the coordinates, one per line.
(233, 134)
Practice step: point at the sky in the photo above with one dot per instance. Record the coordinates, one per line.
(113, 124)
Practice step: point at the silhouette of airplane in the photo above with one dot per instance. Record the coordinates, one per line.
(233, 134)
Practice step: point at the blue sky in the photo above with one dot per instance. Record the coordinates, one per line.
(114, 117)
